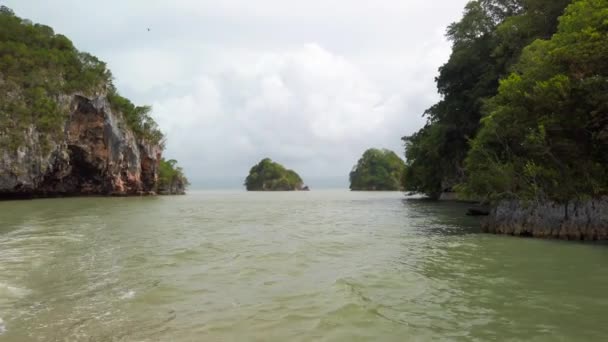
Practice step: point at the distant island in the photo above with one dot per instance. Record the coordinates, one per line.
(270, 176)
(64, 128)
(377, 170)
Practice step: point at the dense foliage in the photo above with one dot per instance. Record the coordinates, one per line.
(270, 176)
(487, 43)
(377, 170)
(137, 117)
(37, 67)
(546, 132)
(171, 177)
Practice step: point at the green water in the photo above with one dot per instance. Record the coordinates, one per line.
(317, 266)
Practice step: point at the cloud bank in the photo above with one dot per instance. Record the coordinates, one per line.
(309, 84)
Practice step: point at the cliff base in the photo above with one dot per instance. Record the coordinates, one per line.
(577, 220)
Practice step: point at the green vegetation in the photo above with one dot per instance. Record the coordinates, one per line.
(538, 133)
(137, 117)
(270, 176)
(37, 67)
(546, 132)
(380, 170)
(171, 178)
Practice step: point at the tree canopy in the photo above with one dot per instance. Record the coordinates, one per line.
(546, 132)
(37, 67)
(380, 170)
(171, 177)
(486, 44)
(270, 176)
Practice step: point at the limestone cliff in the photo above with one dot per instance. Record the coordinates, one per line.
(96, 155)
(579, 220)
(64, 127)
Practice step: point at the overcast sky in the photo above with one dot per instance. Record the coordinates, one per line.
(310, 84)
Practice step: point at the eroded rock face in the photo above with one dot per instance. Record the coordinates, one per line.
(579, 220)
(97, 155)
(177, 187)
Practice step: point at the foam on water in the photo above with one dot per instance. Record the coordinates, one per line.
(2, 326)
(127, 295)
(12, 291)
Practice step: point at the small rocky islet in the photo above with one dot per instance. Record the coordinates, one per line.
(378, 170)
(268, 175)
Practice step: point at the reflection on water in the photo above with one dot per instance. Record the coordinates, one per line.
(326, 265)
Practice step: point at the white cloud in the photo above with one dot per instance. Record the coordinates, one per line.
(310, 84)
(296, 106)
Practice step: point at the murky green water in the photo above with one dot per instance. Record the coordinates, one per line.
(318, 266)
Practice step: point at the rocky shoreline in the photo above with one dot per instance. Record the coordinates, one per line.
(96, 155)
(578, 220)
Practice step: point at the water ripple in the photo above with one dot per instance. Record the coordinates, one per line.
(326, 266)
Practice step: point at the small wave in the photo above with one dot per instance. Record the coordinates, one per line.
(364, 303)
(351, 287)
(127, 295)
(186, 254)
(13, 291)
(2, 327)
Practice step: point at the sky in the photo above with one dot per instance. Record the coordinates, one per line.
(310, 84)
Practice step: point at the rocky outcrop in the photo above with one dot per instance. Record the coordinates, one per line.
(176, 187)
(95, 155)
(271, 176)
(578, 220)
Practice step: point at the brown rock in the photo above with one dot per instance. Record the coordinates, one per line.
(96, 155)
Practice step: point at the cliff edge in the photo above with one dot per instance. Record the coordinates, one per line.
(64, 128)
(96, 155)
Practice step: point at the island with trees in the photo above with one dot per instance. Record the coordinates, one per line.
(377, 170)
(64, 128)
(271, 176)
(522, 122)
